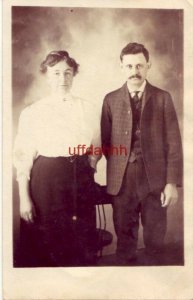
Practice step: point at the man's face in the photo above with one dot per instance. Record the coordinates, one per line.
(135, 67)
(60, 77)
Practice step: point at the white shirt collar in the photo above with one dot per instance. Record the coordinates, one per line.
(140, 89)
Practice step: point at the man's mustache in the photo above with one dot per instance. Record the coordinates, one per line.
(135, 76)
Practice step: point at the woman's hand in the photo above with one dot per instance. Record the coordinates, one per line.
(27, 210)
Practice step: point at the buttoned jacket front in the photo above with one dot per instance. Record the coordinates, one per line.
(159, 137)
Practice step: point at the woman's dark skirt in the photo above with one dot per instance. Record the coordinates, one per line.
(64, 231)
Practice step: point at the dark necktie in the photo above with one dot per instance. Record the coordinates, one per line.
(136, 100)
(136, 109)
(136, 104)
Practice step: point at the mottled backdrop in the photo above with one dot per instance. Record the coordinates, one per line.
(95, 37)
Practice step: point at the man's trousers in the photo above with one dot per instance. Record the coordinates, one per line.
(133, 201)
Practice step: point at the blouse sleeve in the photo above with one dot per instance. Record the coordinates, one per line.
(96, 139)
(25, 150)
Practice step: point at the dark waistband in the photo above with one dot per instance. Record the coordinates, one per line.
(70, 159)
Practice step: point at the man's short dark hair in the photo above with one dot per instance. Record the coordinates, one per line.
(134, 48)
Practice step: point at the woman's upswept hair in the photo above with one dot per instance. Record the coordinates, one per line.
(55, 57)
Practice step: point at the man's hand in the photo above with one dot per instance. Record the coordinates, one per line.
(169, 196)
(93, 162)
(27, 210)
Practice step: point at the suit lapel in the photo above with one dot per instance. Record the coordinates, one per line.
(147, 94)
(125, 98)
(124, 106)
(125, 103)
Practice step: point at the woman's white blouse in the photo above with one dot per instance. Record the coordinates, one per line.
(55, 128)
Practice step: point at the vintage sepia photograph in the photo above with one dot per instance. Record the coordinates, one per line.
(96, 150)
(98, 114)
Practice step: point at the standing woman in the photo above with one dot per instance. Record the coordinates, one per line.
(55, 179)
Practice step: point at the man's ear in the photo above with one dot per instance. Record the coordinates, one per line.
(149, 64)
(121, 65)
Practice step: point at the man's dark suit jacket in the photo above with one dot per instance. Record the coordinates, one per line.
(160, 137)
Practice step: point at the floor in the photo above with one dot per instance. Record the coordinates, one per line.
(172, 256)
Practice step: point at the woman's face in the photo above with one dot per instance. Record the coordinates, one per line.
(60, 77)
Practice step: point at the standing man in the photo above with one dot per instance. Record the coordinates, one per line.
(141, 118)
